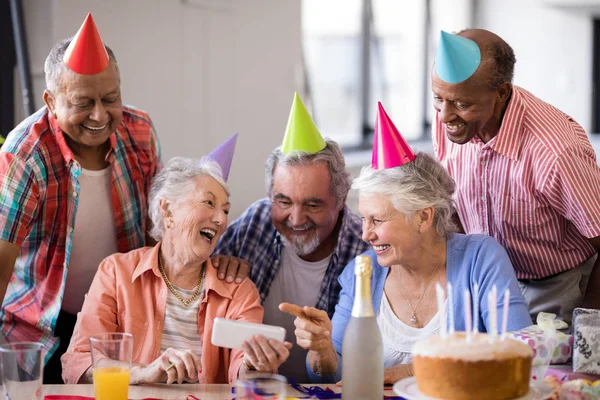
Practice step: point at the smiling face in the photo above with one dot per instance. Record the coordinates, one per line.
(472, 108)
(394, 238)
(88, 108)
(198, 220)
(304, 210)
(466, 110)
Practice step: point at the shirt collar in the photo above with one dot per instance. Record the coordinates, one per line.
(345, 231)
(66, 151)
(509, 139)
(149, 262)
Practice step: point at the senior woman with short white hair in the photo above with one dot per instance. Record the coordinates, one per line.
(407, 218)
(168, 295)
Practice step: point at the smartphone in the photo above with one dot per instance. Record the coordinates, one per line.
(231, 334)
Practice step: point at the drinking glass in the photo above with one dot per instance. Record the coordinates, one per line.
(267, 386)
(22, 370)
(111, 363)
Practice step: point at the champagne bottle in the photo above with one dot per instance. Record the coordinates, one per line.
(362, 348)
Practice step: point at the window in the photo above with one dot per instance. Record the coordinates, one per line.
(337, 34)
(399, 37)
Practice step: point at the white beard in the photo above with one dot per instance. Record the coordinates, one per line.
(302, 247)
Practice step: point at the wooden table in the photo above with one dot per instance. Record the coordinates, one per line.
(171, 392)
(167, 392)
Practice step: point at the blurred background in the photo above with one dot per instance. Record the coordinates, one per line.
(205, 69)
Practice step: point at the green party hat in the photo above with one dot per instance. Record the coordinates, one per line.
(301, 132)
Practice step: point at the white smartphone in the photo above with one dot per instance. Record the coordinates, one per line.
(231, 334)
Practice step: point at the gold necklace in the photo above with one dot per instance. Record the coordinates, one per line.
(413, 319)
(188, 301)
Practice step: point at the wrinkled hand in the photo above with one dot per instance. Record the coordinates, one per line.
(313, 327)
(265, 355)
(172, 366)
(230, 268)
(393, 374)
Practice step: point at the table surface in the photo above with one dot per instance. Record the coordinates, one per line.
(167, 392)
(172, 392)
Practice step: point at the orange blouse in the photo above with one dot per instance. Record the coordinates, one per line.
(129, 295)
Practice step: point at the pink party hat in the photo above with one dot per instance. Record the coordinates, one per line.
(389, 147)
(223, 155)
(86, 53)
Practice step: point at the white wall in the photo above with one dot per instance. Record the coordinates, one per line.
(553, 48)
(203, 69)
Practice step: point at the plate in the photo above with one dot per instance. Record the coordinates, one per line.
(408, 389)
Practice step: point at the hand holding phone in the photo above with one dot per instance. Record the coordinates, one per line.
(231, 334)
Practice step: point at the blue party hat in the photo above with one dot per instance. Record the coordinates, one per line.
(457, 58)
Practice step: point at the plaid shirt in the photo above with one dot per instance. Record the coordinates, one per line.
(39, 192)
(254, 238)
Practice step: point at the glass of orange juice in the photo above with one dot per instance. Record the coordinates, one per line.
(111, 363)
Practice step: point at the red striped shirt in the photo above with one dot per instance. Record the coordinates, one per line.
(535, 187)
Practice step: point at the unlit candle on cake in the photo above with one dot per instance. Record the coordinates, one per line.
(505, 313)
(476, 308)
(450, 301)
(493, 314)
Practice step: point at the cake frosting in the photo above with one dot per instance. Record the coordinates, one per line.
(480, 347)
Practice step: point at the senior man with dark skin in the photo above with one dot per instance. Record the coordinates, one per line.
(74, 182)
(526, 173)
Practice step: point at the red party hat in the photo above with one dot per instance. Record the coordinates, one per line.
(86, 53)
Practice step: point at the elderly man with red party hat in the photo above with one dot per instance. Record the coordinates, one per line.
(74, 189)
(525, 171)
(406, 203)
(75, 177)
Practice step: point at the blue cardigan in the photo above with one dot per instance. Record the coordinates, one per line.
(470, 259)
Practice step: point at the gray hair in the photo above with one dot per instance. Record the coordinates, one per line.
(331, 155)
(54, 67)
(412, 187)
(173, 183)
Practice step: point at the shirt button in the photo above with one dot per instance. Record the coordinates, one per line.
(482, 198)
(483, 163)
(69, 230)
(75, 194)
(65, 264)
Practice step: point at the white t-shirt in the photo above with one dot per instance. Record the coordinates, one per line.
(398, 338)
(298, 282)
(94, 236)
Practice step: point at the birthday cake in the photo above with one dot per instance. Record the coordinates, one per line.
(456, 369)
